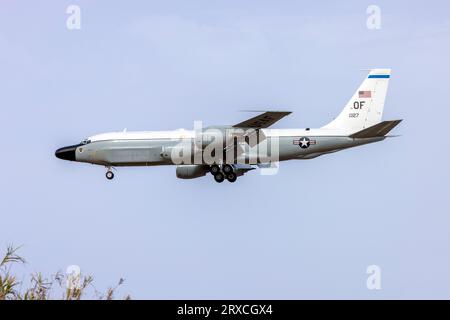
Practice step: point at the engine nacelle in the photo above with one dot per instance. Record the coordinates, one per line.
(191, 171)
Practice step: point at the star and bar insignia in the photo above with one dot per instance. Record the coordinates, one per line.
(304, 142)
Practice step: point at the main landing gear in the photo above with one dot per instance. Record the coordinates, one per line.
(226, 171)
(219, 177)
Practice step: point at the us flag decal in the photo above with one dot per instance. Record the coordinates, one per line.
(365, 94)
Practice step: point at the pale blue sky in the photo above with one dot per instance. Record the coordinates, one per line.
(309, 231)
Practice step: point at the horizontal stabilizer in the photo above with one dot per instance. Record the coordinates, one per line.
(378, 130)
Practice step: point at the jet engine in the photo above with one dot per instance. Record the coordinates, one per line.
(191, 171)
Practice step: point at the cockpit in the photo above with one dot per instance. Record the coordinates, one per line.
(85, 141)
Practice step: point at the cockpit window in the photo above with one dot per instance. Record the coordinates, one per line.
(85, 141)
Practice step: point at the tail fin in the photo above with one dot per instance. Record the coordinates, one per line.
(365, 108)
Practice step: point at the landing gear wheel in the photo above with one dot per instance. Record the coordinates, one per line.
(227, 169)
(219, 177)
(232, 177)
(215, 169)
(109, 175)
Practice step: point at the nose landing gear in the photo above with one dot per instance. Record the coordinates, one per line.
(109, 174)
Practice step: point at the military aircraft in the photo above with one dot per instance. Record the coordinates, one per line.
(230, 151)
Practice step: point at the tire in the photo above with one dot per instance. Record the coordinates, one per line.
(109, 175)
(214, 169)
(227, 169)
(232, 177)
(219, 177)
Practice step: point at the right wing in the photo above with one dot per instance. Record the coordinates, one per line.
(252, 126)
(263, 120)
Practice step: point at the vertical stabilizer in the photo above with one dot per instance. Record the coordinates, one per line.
(365, 108)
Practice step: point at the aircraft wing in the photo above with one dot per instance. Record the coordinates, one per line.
(263, 120)
(253, 135)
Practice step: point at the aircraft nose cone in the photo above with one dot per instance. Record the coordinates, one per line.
(66, 153)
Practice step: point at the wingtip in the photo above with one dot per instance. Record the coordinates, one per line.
(393, 136)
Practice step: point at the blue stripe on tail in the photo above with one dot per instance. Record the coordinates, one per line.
(383, 76)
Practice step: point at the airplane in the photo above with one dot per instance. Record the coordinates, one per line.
(228, 152)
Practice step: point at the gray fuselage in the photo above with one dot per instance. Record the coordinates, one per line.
(152, 152)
